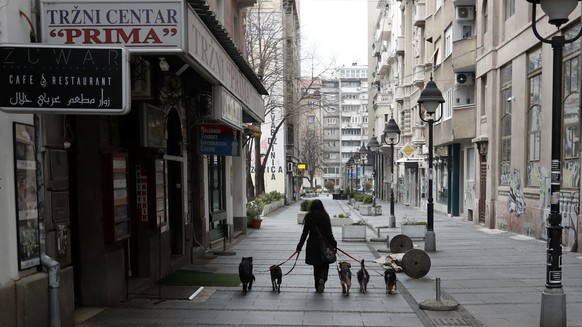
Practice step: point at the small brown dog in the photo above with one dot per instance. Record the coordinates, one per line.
(345, 276)
(390, 280)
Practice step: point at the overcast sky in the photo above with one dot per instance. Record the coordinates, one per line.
(336, 29)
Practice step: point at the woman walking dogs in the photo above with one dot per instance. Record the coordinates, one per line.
(317, 225)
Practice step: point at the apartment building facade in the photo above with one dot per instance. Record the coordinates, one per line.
(344, 116)
(492, 138)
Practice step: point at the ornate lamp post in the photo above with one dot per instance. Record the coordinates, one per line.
(350, 165)
(391, 138)
(553, 311)
(374, 146)
(429, 100)
(356, 157)
(363, 159)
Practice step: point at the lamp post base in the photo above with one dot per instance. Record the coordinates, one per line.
(429, 241)
(392, 221)
(553, 311)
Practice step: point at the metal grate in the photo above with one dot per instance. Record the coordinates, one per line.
(451, 322)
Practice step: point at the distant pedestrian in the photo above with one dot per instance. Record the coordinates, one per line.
(317, 222)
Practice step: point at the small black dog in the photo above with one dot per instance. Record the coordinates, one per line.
(276, 277)
(390, 280)
(363, 277)
(245, 273)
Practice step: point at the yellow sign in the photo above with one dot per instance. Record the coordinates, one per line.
(408, 150)
(301, 166)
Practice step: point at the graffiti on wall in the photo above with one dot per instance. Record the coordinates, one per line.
(569, 209)
(516, 203)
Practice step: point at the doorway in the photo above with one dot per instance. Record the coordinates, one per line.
(175, 165)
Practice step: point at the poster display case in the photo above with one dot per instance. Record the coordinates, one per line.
(116, 192)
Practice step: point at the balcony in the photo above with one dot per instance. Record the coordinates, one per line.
(383, 63)
(465, 54)
(399, 94)
(418, 75)
(419, 13)
(386, 28)
(400, 45)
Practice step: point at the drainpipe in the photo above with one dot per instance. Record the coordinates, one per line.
(51, 265)
(53, 268)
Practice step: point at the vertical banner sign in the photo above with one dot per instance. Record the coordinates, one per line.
(37, 78)
(26, 200)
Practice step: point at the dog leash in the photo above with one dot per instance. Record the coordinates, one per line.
(294, 263)
(342, 251)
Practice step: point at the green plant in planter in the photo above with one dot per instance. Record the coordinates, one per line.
(305, 205)
(341, 215)
(367, 199)
(254, 210)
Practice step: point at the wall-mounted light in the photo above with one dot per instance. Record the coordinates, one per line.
(164, 65)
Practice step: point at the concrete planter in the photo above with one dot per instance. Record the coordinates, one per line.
(341, 221)
(366, 210)
(413, 231)
(301, 216)
(354, 233)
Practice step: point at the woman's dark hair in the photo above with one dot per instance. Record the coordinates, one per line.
(317, 205)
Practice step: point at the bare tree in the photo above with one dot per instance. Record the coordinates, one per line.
(265, 38)
(311, 155)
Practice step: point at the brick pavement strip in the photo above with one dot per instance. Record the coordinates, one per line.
(497, 279)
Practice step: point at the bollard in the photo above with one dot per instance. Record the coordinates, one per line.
(438, 289)
(438, 305)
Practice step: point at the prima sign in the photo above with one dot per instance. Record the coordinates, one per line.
(142, 26)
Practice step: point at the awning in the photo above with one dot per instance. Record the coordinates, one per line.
(252, 130)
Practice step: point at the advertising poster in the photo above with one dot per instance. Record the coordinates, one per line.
(26, 199)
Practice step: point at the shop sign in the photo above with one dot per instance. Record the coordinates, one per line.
(209, 54)
(37, 78)
(226, 108)
(218, 139)
(143, 26)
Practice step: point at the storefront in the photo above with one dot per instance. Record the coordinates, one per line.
(135, 193)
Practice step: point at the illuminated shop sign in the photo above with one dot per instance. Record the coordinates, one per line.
(64, 79)
(143, 26)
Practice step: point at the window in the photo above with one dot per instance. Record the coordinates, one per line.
(448, 41)
(505, 162)
(534, 133)
(448, 105)
(485, 17)
(509, 8)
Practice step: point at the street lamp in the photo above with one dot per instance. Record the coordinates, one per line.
(374, 146)
(392, 133)
(363, 158)
(356, 157)
(553, 311)
(350, 164)
(429, 100)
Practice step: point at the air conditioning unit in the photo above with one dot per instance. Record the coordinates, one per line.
(464, 79)
(465, 12)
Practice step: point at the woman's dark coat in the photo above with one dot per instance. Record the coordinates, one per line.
(312, 251)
